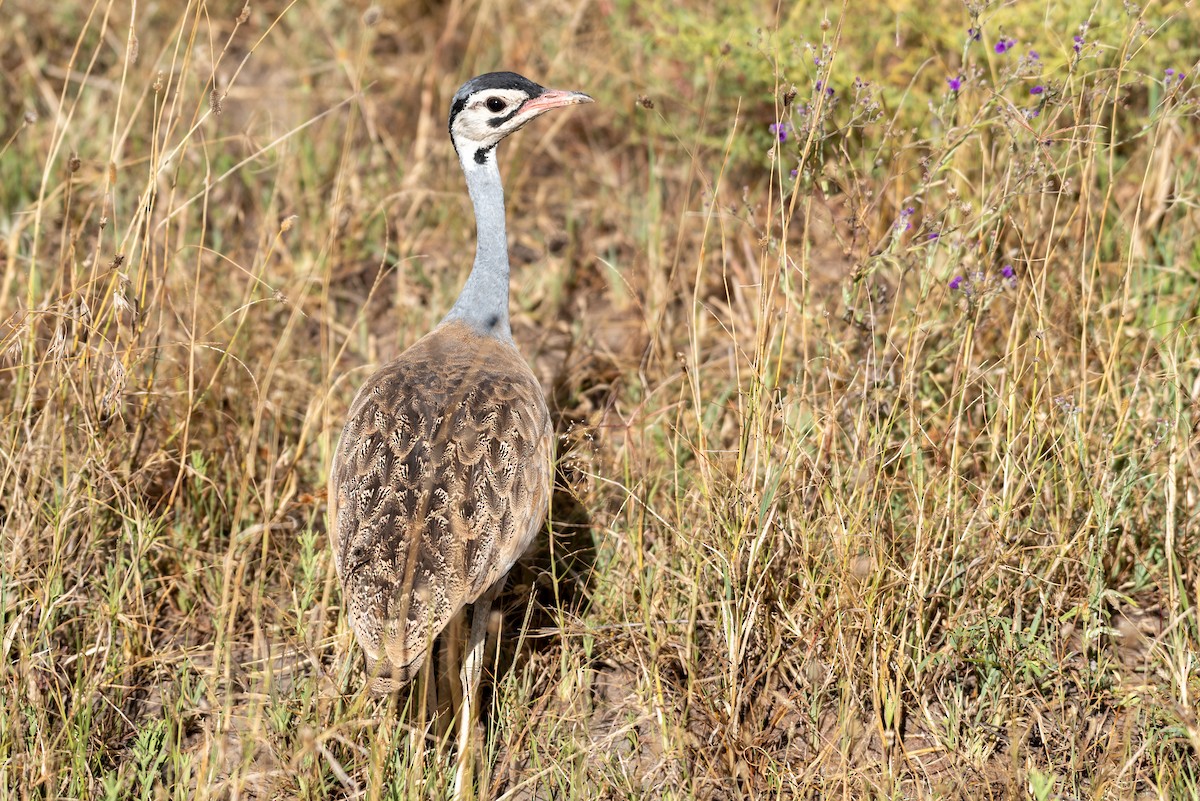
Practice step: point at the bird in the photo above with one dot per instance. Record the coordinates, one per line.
(441, 478)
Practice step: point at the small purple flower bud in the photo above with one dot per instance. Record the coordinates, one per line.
(974, 35)
(1169, 72)
(794, 173)
(1034, 55)
(1037, 90)
(780, 130)
(955, 83)
(933, 235)
(956, 282)
(1008, 271)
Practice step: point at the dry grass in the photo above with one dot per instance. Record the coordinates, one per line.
(828, 523)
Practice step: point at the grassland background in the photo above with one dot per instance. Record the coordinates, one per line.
(845, 508)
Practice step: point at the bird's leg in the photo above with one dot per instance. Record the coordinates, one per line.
(472, 669)
(428, 679)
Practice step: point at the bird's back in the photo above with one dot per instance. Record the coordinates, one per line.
(440, 481)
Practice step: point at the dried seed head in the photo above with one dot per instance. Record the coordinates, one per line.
(244, 14)
(116, 385)
(82, 313)
(31, 116)
(215, 98)
(13, 349)
(288, 222)
(117, 261)
(73, 163)
(58, 344)
(372, 16)
(121, 301)
(158, 81)
(645, 102)
(133, 47)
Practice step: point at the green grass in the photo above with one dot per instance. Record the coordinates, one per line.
(828, 523)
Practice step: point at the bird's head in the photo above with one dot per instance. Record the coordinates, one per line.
(489, 107)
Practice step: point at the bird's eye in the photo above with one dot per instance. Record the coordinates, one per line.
(495, 104)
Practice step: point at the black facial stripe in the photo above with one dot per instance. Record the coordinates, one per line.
(496, 122)
(459, 104)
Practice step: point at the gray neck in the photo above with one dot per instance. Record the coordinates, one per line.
(483, 302)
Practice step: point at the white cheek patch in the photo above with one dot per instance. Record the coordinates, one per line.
(469, 128)
(473, 123)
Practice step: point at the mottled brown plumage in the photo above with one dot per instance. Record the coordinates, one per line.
(440, 482)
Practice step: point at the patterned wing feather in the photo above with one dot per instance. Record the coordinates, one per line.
(440, 482)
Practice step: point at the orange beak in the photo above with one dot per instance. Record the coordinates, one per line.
(554, 98)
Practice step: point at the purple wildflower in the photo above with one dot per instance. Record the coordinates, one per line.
(795, 171)
(974, 34)
(1037, 90)
(956, 282)
(1034, 55)
(1010, 276)
(1004, 45)
(955, 83)
(780, 130)
(1078, 43)
(904, 223)
(933, 235)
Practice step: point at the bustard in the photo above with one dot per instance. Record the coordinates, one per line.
(441, 479)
